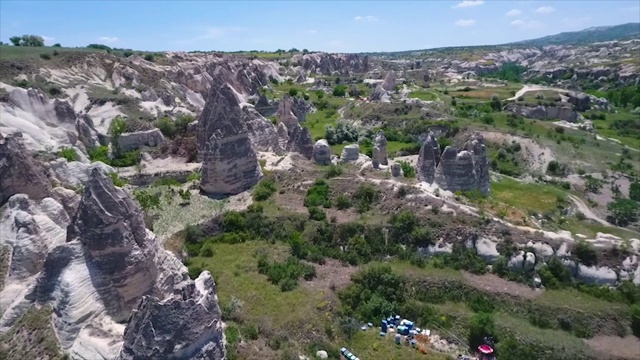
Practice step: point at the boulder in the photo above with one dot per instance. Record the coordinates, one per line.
(383, 90)
(19, 172)
(321, 152)
(487, 249)
(428, 159)
(396, 170)
(581, 101)
(74, 173)
(529, 261)
(321, 354)
(516, 262)
(350, 153)
(379, 150)
(191, 321)
(230, 164)
(138, 139)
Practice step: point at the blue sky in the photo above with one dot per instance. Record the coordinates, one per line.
(336, 26)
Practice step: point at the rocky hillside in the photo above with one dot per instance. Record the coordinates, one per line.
(587, 36)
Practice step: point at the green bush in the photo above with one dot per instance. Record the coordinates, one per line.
(333, 171)
(365, 196)
(635, 320)
(293, 92)
(317, 214)
(264, 190)
(166, 181)
(206, 251)
(193, 233)
(100, 153)
(149, 57)
(343, 202)
(407, 170)
(340, 91)
(585, 252)
(287, 273)
(147, 200)
(117, 181)
(481, 325)
(318, 194)
(68, 153)
(194, 176)
(129, 158)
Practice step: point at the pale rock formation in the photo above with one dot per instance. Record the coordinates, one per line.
(596, 275)
(192, 321)
(428, 159)
(139, 139)
(285, 114)
(379, 156)
(439, 248)
(541, 112)
(67, 198)
(283, 135)
(545, 251)
(75, 173)
(516, 262)
(529, 261)
(350, 153)
(487, 249)
(383, 90)
(332, 64)
(230, 164)
(20, 173)
(464, 170)
(321, 152)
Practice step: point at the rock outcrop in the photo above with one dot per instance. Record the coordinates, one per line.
(75, 173)
(20, 173)
(139, 139)
(229, 161)
(321, 152)
(383, 91)
(379, 155)
(186, 327)
(396, 170)
(350, 153)
(299, 138)
(540, 112)
(428, 159)
(332, 64)
(464, 170)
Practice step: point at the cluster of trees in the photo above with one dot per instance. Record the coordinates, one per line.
(27, 40)
(624, 96)
(509, 72)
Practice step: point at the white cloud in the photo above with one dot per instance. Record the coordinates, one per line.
(528, 25)
(465, 23)
(467, 3)
(545, 10)
(514, 12)
(312, 32)
(108, 39)
(368, 18)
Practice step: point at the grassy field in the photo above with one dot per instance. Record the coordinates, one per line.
(424, 95)
(536, 197)
(8, 52)
(602, 128)
(590, 229)
(370, 345)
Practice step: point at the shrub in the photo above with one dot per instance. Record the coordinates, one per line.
(149, 57)
(555, 168)
(194, 271)
(68, 153)
(167, 127)
(194, 176)
(117, 181)
(185, 195)
(339, 91)
(318, 194)
(407, 170)
(56, 45)
(293, 92)
(487, 119)
(264, 190)
(317, 214)
(586, 253)
(206, 251)
(166, 181)
(481, 326)
(45, 56)
(147, 200)
(365, 196)
(635, 320)
(305, 96)
(333, 171)
(55, 91)
(343, 202)
(623, 211)
(193, 233)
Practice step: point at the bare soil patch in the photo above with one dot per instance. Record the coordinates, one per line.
(616, 347)
(494, 284)
(332, 275)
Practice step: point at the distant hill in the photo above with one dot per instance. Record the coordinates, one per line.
(586, 36)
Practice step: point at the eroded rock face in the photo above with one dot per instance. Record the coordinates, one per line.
(111, 228)
(186, 327)
(285, 113)
(379, 150)
(19, 173)
(322, 152)
(75, 173)
(396, 170)
(464, 170)
(230, 164)
(428, 159)
(139, 139)
(540, 112)
(383, 90)
(331, 64)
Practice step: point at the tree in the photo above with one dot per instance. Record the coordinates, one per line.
(340, 91)
(586, 253)
(592, 184)
(623, 211)
(149, 57)
(27, 40)
(293, 92)
(305, 51)
(349, 326)
(496, 104)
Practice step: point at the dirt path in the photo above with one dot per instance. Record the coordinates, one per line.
(625, 348)
(583, 208)
(525, 89)
(495, 284)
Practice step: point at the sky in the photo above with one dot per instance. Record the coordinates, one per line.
(333, 26)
